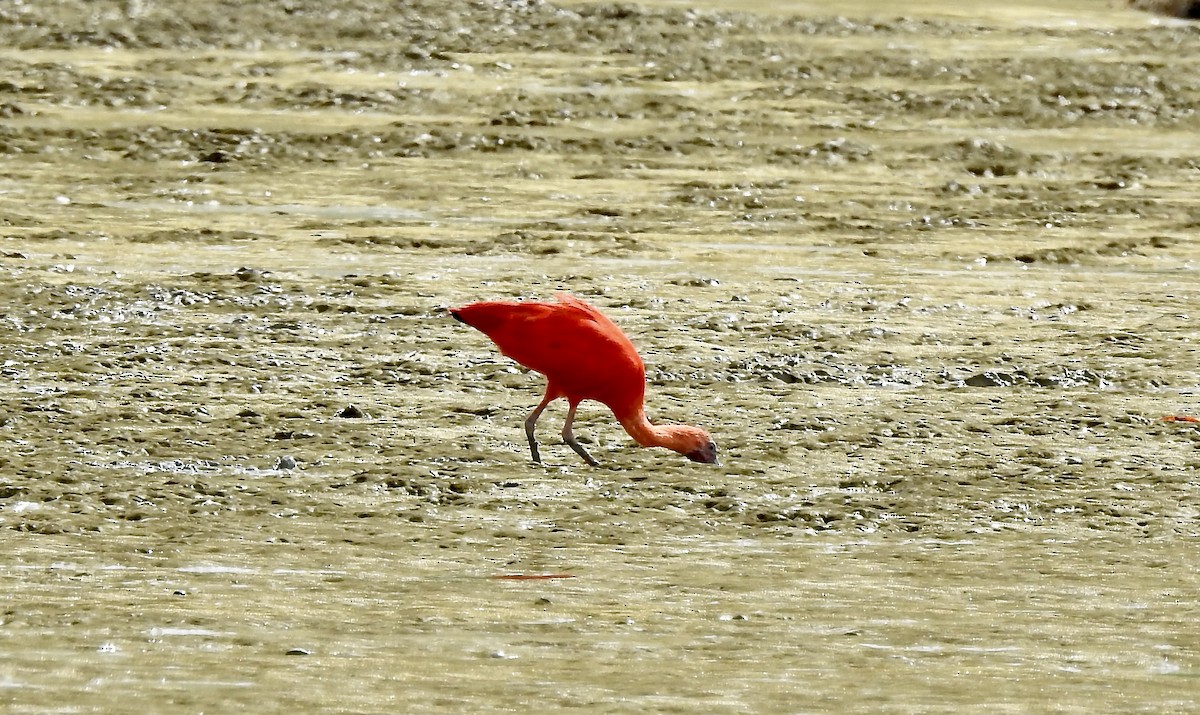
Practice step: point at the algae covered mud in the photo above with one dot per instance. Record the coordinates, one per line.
(927, 272)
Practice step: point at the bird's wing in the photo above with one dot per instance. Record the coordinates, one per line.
(592, 312)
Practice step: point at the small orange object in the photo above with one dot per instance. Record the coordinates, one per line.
(584, 356)
(1180, 418)
(530, 576)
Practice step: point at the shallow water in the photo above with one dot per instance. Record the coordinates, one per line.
(929, 281)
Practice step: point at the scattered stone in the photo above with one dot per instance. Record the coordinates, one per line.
(990, 378)
(697, 282)
(350, 412)
(250, 274)
(1186, 9)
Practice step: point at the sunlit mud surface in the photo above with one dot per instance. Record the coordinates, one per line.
(928, 274)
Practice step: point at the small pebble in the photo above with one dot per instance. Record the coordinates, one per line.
(350, 412)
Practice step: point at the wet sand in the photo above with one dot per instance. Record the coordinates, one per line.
(927, 275)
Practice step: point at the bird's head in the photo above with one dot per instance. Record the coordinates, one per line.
(695, 444)
(706, 453)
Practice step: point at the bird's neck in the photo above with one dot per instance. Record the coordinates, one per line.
(646, 434)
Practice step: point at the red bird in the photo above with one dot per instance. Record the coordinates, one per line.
(584, 356)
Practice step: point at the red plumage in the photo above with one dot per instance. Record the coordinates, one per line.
(584, 356)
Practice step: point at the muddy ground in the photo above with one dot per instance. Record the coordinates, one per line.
(927, 274)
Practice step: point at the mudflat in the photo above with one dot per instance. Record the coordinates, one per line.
(926, 272)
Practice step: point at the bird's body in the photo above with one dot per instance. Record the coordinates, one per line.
(580, 351)
(584, 356)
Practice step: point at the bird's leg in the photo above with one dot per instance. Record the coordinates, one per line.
(531, 423)
(569, 437)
